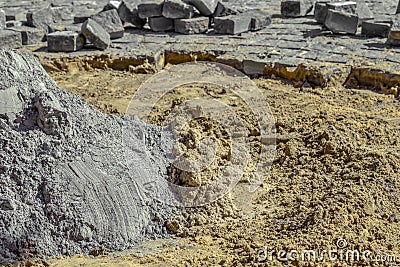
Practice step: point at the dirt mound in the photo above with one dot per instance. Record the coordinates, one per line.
(334, 179)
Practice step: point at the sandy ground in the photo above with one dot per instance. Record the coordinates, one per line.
(334, 184)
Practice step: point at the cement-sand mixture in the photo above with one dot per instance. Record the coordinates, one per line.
(64, 186)
(334, 177)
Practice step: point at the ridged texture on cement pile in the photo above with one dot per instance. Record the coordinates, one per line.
(64, 184)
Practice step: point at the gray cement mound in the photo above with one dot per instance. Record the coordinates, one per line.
(64, 184)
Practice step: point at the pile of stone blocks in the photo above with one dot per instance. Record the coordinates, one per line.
(180, 16)
(67, 31)
(346, 17)
(199, 16)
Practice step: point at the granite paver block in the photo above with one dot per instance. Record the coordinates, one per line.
(111, 22)
(375, 29)
(65, 41)
(150, 8)
(320, 11)
(295, 8)
(346, 6)
(2, 19)
(177, 9)
(30, 35)
(206, 7)
(10, 39)
(43, 18)
(128, 12)
(96, 34)
(341, 22)
(233, 24)
(223, 9)
(192, 26)
(161, 24)
(259, 20)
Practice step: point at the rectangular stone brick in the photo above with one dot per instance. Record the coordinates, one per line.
(341, 22)
(10, 39)
(295, 8)
(65, 41)
(30, 35)
(43, 18)
(394, 34)
(15, 15)
(346, 6)
(192, 26)
(205, 7)
(223, 9)
(13, 23)
(112, 5)
(320, 11)
(96, 34)
(65, 27)
(80, 18)
(375, 29)
(177, 9)
(128, 12)
(233, 24)
(2, 19)
(111, 22)
(150, 8)
(259, 20)
(363, 12)
(161, 24)
(253, 67)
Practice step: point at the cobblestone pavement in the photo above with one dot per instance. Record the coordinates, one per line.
(288, 42)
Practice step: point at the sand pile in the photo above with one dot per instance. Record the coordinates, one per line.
(64, 184)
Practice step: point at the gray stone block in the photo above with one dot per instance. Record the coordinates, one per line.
(43, 18)
(192, 26)
(150, 8)
(320, 11)
(2, 19)
(205, 7)
(346, 6)
(62, 27)
(30, 35)
(66, 41)
(128, 12)
(111, 22)
(375, 29)
(177, 9)
(253, 67)
(15, 15)
(10, 39)
(223, 9)
(13, 23)
(96, 34)
(295, 8)
(112, 5)
(161, 24)
(78, 19)
(233, 24)
(341, 22)
(259, 20)
(363, 12)
(394, 34)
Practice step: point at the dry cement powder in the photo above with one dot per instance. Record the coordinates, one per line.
(64, 184)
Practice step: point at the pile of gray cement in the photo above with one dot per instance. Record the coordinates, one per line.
(64, 184)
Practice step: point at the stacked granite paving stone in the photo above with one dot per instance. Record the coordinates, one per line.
(345, 17)
(67, 31)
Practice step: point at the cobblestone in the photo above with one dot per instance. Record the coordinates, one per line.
(296, 40)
